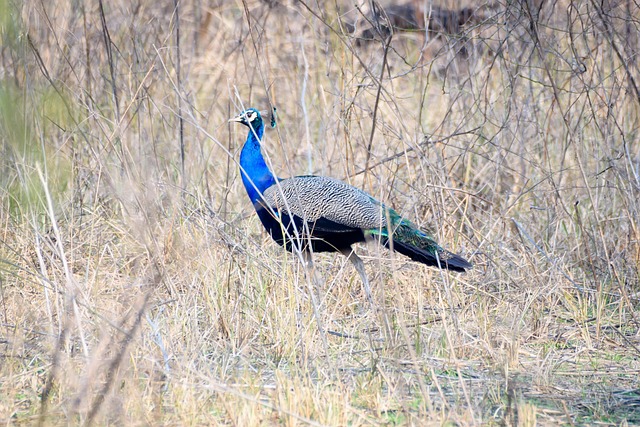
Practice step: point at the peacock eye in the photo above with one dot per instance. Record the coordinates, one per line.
(250, 116)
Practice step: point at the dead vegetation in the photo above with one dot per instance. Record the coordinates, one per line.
(138, 288)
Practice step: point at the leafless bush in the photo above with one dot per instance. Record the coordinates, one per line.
(138, 287)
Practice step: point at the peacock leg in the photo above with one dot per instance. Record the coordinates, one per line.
(359, 265)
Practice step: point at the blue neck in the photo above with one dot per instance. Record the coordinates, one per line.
(256, 175)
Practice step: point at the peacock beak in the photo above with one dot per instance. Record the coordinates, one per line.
(237, 119)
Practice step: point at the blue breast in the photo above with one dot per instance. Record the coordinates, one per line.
(256, 175)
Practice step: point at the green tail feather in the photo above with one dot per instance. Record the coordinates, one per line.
(408, 240)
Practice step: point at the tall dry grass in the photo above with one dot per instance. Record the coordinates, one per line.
(138, 287)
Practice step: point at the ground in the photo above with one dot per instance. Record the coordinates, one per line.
(139, 288)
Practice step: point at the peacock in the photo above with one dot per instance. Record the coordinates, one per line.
(322, 214)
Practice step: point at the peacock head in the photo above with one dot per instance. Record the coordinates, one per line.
(250, 117)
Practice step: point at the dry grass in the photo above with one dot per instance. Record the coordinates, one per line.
(138, 288)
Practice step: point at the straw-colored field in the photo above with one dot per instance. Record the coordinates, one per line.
(137, 286)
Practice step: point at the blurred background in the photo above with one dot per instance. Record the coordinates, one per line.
(139, 288)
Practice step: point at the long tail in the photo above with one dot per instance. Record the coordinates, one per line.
(420, 247)
(446, 259)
